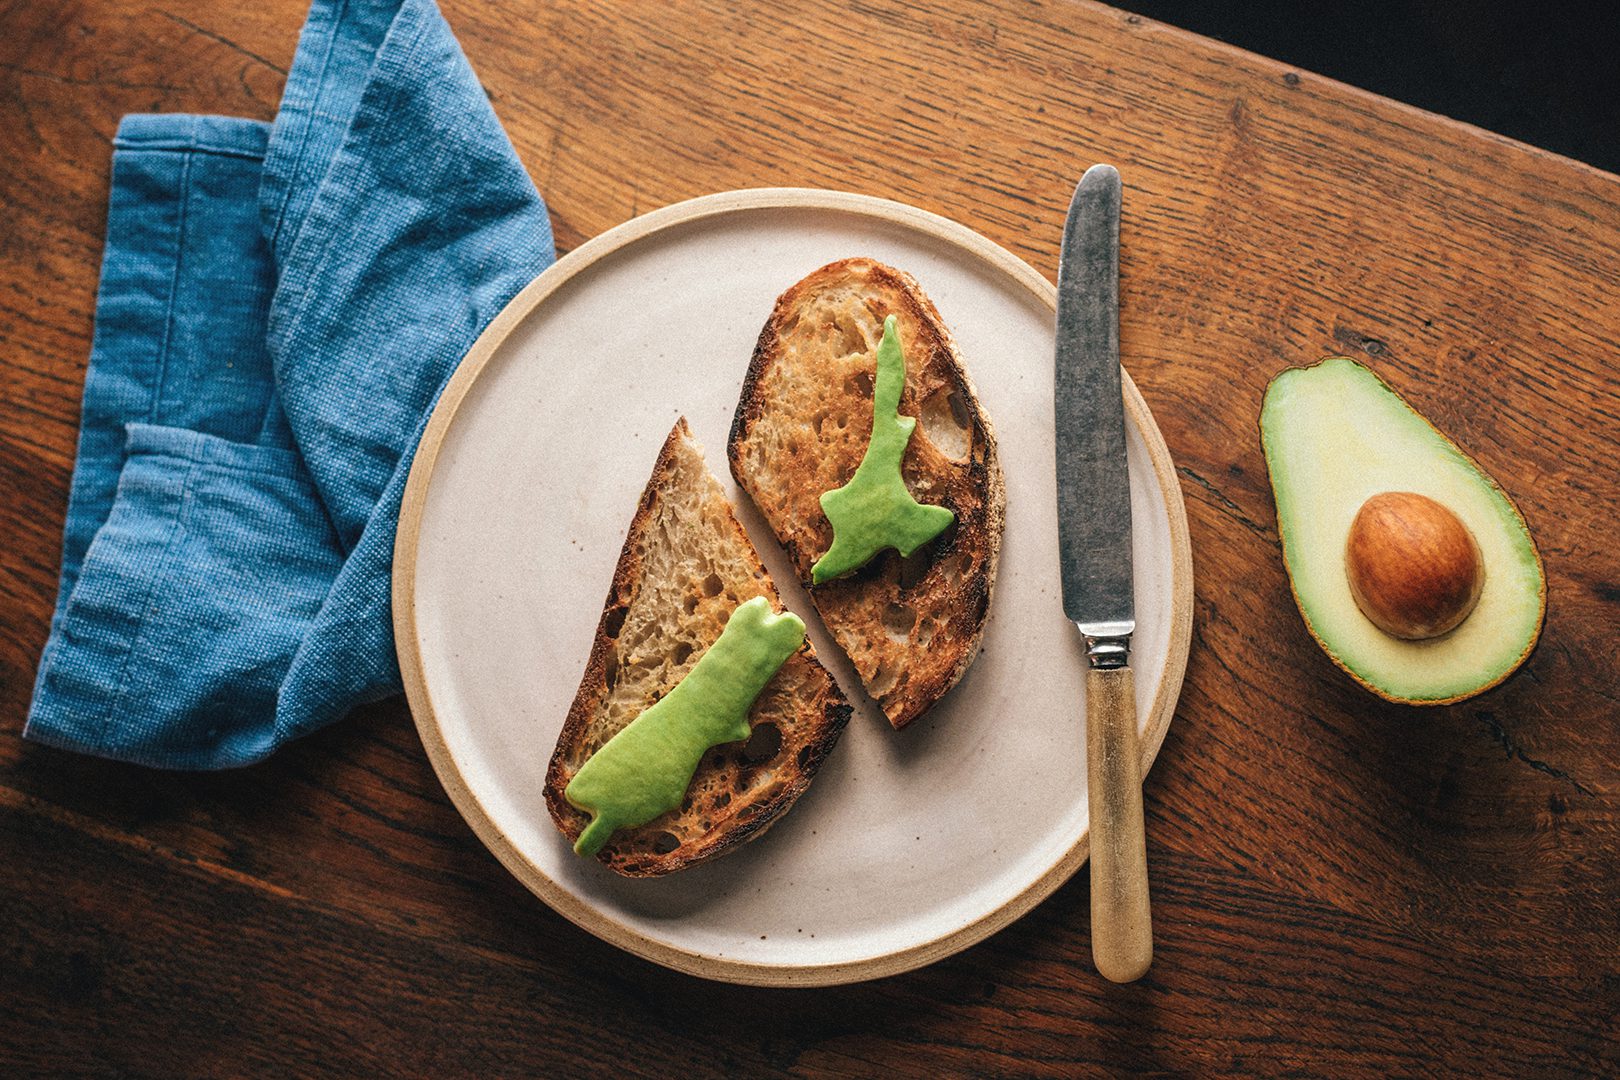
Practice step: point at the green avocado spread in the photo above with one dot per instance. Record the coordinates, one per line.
(645, 769)
(874, 511)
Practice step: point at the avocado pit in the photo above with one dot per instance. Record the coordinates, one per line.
(1414, 568)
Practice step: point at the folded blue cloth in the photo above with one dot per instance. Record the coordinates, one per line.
(279, 307)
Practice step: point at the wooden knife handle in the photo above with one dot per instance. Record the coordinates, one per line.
(1121, 922)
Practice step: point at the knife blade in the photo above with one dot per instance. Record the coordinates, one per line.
(1094, 556)
(1094, 489)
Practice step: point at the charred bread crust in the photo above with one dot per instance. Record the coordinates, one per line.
(740, 820)
(974, 490)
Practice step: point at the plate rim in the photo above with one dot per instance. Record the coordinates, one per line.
(408, 645)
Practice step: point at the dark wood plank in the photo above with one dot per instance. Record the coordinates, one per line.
(220, 969)
(1342, 885)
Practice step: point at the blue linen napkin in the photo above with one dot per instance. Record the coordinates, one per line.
(279, 308)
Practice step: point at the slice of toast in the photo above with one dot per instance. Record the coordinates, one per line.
(685, 566)
(910, 626)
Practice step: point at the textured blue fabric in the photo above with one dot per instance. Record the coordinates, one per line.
(279, 307)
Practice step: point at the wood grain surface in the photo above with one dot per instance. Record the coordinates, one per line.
(1341, 886)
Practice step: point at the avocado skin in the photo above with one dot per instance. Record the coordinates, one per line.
(1347, 372)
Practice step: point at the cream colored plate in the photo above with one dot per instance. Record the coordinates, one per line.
(909, 846)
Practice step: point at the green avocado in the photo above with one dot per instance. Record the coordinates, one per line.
(1334, 436)
(645, 769)
(875, 510)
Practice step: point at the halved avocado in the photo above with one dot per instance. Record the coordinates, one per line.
(1335, 435)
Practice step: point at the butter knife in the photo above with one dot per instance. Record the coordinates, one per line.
(1094, 554)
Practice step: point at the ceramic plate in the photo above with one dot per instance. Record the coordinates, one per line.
(909, 845)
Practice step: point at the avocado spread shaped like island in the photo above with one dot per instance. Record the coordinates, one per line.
(644, 770)
(1338, 439)
(874, 511)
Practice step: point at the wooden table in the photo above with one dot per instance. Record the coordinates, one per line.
(1343, 887)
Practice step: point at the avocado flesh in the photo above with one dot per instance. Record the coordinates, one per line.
(1334, 435)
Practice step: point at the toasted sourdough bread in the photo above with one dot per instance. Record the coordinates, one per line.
(685, 566)
(910, 626)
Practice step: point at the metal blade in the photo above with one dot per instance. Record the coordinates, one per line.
(1093, 487)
